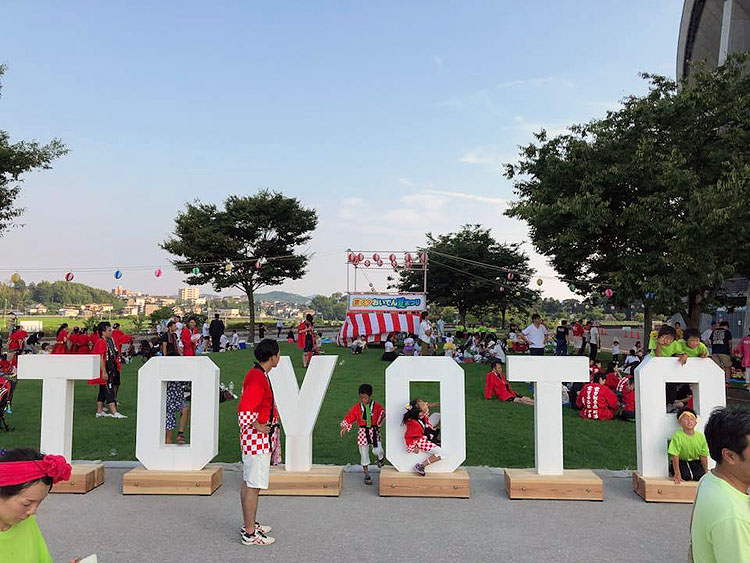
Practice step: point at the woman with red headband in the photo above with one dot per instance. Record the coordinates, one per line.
(26, 477)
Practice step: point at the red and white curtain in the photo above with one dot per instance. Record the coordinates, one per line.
(376, 326)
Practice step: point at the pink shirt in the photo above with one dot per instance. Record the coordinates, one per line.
(744, 350)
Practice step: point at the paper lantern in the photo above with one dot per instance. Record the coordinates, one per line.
(510, 275)
(258, 264)
(367, 263)
(228, 267)
(196, 270)
(380, 263)
(608, 292)
(15, 278)
(392, 257)
(352, 257)
(360, 257)
(407, 257)
(518, 294)
(424, 258)
(571, 287)
(118, 274)
(539, 281)
(502, 289)
(376, 257)
(157, 272)
(69, 276)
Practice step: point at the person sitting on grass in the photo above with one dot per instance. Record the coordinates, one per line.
(26, 477)
(368, 415)
(390, 352)
(449, 348)
(416, 435)
(631, 358)
(628, 398)
(409, 345)
(359, 344)
(496, 385)
(688, 449)
(664, 345)
(596, 401)
(290, 336)
(691, 346)
(612, 377)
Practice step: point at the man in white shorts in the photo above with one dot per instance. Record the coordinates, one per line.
(258, 418)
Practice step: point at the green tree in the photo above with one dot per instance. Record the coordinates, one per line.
(248, 244)
(331, 308)
(139, 321)
(161, 314)
(650, 201)
(469, 270)
(17, 159)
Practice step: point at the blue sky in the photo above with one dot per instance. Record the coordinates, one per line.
(390, 118)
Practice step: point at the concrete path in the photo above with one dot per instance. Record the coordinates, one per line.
(360, 525)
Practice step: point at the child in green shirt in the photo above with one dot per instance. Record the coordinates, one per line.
(688, 449)
(666, 343)
(691, 346)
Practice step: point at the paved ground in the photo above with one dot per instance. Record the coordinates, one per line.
(359, 525)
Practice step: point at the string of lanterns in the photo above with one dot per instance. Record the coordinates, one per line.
(357, 259)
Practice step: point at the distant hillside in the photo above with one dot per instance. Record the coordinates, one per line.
(55, 294)
(282, 296)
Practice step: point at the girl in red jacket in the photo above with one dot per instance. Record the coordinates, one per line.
(417, 434)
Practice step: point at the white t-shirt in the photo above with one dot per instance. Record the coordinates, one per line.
(279, 324)
(594, 335)
(631, 360)
(615, 349)
(235, 339)
(425, 326)
(388, 346)
(205, 329)
(536, 336)
(497, 352)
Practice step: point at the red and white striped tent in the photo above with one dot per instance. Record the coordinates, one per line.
(377, 325)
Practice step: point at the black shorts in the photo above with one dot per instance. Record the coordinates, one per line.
(308, 345)
(106, 395)
(114, 377)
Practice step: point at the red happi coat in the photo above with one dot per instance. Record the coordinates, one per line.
(60, 346)
(366, 434)
(256, 404)
(497, 385)
(597, 402)
(15, 340)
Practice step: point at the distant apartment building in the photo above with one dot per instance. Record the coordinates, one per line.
(228, 313)
(120, 291)
(68, 312)
(189, 293)
(150, 308)
(38, 309)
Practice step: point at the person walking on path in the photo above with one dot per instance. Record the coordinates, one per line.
(721, 349)
(257, 416)
(215, 330)
(279, 328)
(535, 335)
(720, 525)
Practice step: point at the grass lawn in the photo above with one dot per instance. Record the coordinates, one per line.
(498, 434)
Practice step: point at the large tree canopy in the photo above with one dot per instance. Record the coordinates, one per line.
(650, 201)
(469, 270)
(249, 244)
(15, 160)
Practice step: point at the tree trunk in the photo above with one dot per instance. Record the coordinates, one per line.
(503, 311)
(249, 292)
(462, 315)
(647, 324)
(695, 308)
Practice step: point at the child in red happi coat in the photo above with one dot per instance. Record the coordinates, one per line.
(496, 385)
(420, 433)
(596, 400)
(628, 398)
(368, 415)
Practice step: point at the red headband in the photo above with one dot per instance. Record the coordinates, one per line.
(18, 472)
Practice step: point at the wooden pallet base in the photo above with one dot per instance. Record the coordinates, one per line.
(573, 484)
(394, 483)
(83, 478)
(141, 481)
(660, 489)
(320, 481)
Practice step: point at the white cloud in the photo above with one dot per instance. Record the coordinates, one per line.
(528, 128)
(473, 197)
(489, 154)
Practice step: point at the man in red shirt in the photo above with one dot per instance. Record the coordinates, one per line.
(596, 400)
(497, 385)
(258, 416)
(105, 349)
(120, 337)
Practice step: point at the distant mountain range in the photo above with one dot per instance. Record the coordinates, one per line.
(282, 296)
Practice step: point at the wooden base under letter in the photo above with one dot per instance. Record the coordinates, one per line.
(394, 483)
(573, 484)
(141, 481)
(320, 481)
(661, 489)
(83, 478)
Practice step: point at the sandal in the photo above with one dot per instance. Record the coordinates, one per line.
(180, 437)
(368, 480)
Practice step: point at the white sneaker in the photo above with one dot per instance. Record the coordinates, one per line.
(255, 539)
(118, 415)
(265, 530)
(102, 414)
